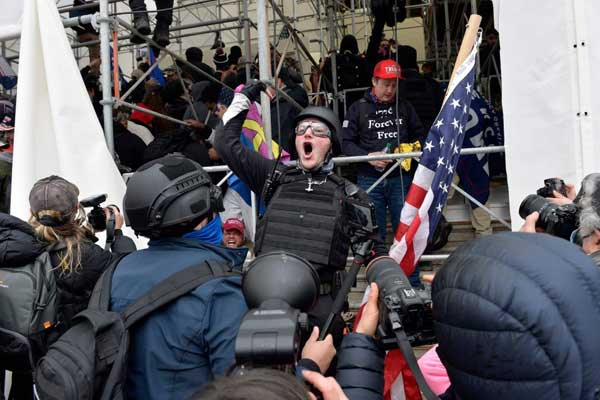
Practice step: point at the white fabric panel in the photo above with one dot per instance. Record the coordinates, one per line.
(546, 81)
(10, 17)
(57, 131)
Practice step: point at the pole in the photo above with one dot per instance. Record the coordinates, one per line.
(107, 102)
(467, 44)
(332, 53)
(352, 7)
(448, 37)
(264, 67)
(248, 39)
(142, 78)
(478, 203)
(435, 36)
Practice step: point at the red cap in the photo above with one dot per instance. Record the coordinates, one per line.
(387, 69)
(234, 223)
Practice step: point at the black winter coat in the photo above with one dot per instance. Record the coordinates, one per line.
(19, 246)
(517, 316)
(360, 367)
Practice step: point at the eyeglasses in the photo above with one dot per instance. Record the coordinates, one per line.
(319, 129)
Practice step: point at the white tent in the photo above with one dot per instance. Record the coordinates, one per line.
(550, 117)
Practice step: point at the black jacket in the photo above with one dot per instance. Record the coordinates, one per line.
(517, 316)
(129, 147)
(19, 246)
(369, 126)
(252, 168)
(425, 95)
(360, 367)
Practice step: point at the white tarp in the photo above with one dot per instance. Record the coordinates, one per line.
(547, 51)
(10, 17)
(57, 131)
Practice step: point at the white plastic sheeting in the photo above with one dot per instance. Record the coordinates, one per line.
(10, 17)
(550, 117)
(57, 131)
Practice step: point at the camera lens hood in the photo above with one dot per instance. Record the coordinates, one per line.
(284, 276)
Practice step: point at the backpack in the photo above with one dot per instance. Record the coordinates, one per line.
(28, 298)
(174, 141)
(89, 361)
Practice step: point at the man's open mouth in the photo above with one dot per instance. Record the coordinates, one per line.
(308, 149)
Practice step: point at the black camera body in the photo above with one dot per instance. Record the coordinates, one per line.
(401, 307)
(554, 220)
(96, 216)
(550, 186)
(279, 289)
(270, 335)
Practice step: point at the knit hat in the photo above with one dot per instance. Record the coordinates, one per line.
(220, 59)
(53, 193)
(226, 96)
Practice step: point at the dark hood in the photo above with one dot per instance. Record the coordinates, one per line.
(18, 245)
(517, 316)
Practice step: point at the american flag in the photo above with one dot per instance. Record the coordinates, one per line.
(425, 201)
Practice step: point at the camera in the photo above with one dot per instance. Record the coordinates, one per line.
(96, 217)
(550, 186)
(279, 289)
(401, 307)
(555, 220)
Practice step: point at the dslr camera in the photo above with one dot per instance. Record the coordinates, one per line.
(555, 220)
(96, 217)
(279, 289)
(401, 307)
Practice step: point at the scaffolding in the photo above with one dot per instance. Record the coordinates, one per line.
(215, 17)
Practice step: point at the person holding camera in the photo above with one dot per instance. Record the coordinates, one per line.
(562, 209)
(58, 226)
(310, 211)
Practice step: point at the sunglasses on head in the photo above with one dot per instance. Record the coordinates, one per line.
(318, 128)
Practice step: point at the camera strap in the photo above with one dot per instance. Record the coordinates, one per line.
(110, 229)
(411, 360)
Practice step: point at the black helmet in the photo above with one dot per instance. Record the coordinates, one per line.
(333, 122)
(284, 276)
(169, 191)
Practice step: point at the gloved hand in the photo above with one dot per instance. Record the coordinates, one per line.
(252, 90)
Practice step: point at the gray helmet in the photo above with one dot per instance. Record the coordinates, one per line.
(328, 117)
(169, 191)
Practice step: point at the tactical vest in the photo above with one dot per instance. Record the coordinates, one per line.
(307, 220)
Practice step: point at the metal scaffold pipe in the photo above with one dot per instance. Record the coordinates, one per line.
(107, 102)
(264, 67)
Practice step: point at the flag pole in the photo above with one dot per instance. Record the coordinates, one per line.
(469, 40)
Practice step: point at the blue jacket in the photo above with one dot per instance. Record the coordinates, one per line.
(184, 345)
(370, 125)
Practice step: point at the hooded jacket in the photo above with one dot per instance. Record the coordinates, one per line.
(517, 316)
(370, 125)
(19, 246)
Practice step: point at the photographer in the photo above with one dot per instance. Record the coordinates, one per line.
(586, 201)
(58, 225)
(516, 316)
(307, 204)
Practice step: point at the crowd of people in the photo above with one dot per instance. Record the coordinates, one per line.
(509, 323)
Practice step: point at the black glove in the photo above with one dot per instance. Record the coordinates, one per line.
(252, 90)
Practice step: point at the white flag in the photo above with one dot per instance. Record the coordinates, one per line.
(56, 131)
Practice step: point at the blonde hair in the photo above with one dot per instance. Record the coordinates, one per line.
(71, 233)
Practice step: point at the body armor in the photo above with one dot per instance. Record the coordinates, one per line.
(306, 216)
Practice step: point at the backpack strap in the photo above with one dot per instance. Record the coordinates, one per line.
(173, 287)
(100, 298)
